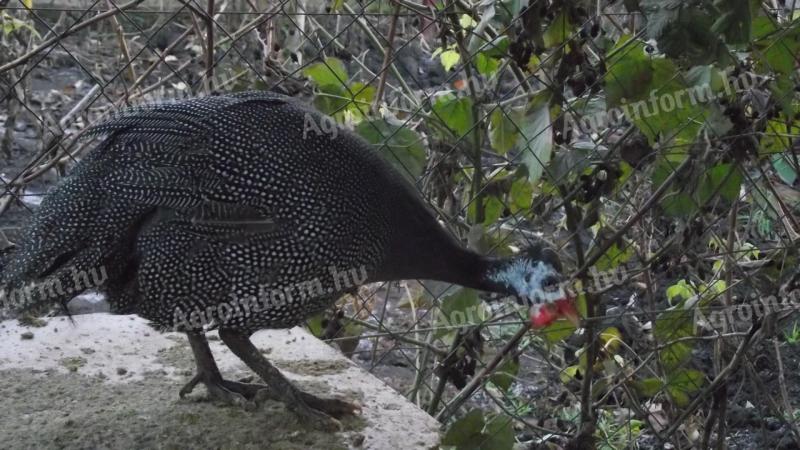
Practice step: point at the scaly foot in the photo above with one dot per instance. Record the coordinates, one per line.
(233, 393)
(230, 392)
(315, 411)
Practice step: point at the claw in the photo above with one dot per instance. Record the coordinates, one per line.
(233, 393)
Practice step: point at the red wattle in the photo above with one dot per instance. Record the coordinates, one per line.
(565, 307)
(544, 317)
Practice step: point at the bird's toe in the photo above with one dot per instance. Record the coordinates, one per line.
(221, 393)
(248, 390)
(316, 418)
(331, 406)
(235, 393)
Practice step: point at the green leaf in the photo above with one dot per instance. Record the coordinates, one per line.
(336, 5)
(466, 21)
(486, 65)
(465, 431)
(668, 109)
(363, 97)
(775, 47)
(783, 164)
(521, 196)
(653, 94)
(615, 256)
(503, 129)
(492, 209)
(777, 138)
(723, 179)
(678, 204)
(498, 434)
(333, 102)
(401, 146)
(535, 143)
(782, 90)
(498, 47)
(735, 22)
(474, 432)
(690, 41)
(629, 72)
(559, 30)
(504, 377)
(670, 325)
(675, 203)
(449, 59)
(456, 113)
(557, 331)
(649, 387)
(681, 290)
(581, 305)
(611, 338)
(572, 161)
(569, 374)
(674, 323)
(11, 24)
(675, 355)
(626, 170)
(461, 308)
(682, 383)
(314, 324)
(331, 72)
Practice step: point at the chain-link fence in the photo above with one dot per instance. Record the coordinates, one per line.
(652, 143)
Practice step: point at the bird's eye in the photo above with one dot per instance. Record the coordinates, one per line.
(528, 277)
(550, 284)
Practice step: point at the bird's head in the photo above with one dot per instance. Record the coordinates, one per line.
(534, 277)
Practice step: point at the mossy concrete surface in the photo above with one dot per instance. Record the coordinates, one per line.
(109, 381)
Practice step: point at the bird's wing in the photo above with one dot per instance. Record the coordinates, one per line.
(177, 122)
(155, 156)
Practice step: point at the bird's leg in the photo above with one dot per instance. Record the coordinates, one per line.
(318, 411)
(231, 392)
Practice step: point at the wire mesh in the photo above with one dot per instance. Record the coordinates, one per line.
(668, 218)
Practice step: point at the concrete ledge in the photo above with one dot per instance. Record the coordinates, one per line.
(112, 382)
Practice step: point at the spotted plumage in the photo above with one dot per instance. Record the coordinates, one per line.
(223, 212)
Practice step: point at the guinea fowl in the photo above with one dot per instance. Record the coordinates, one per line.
(199, 211)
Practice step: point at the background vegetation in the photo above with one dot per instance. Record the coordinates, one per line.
(652, 142)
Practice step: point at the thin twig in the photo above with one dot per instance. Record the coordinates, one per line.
(480, 378)
(209, 81)
(123, 44)
(721, 378)
(720, 403)
(787, 406)
(776, 409)
(650, 203)
(437, 393)
(387, 57)
(397, 336)
(410, 94)
(69, 31)
(163, 54)
(590, 343)
(79, 107)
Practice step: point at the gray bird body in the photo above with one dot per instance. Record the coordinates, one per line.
(190, 205)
